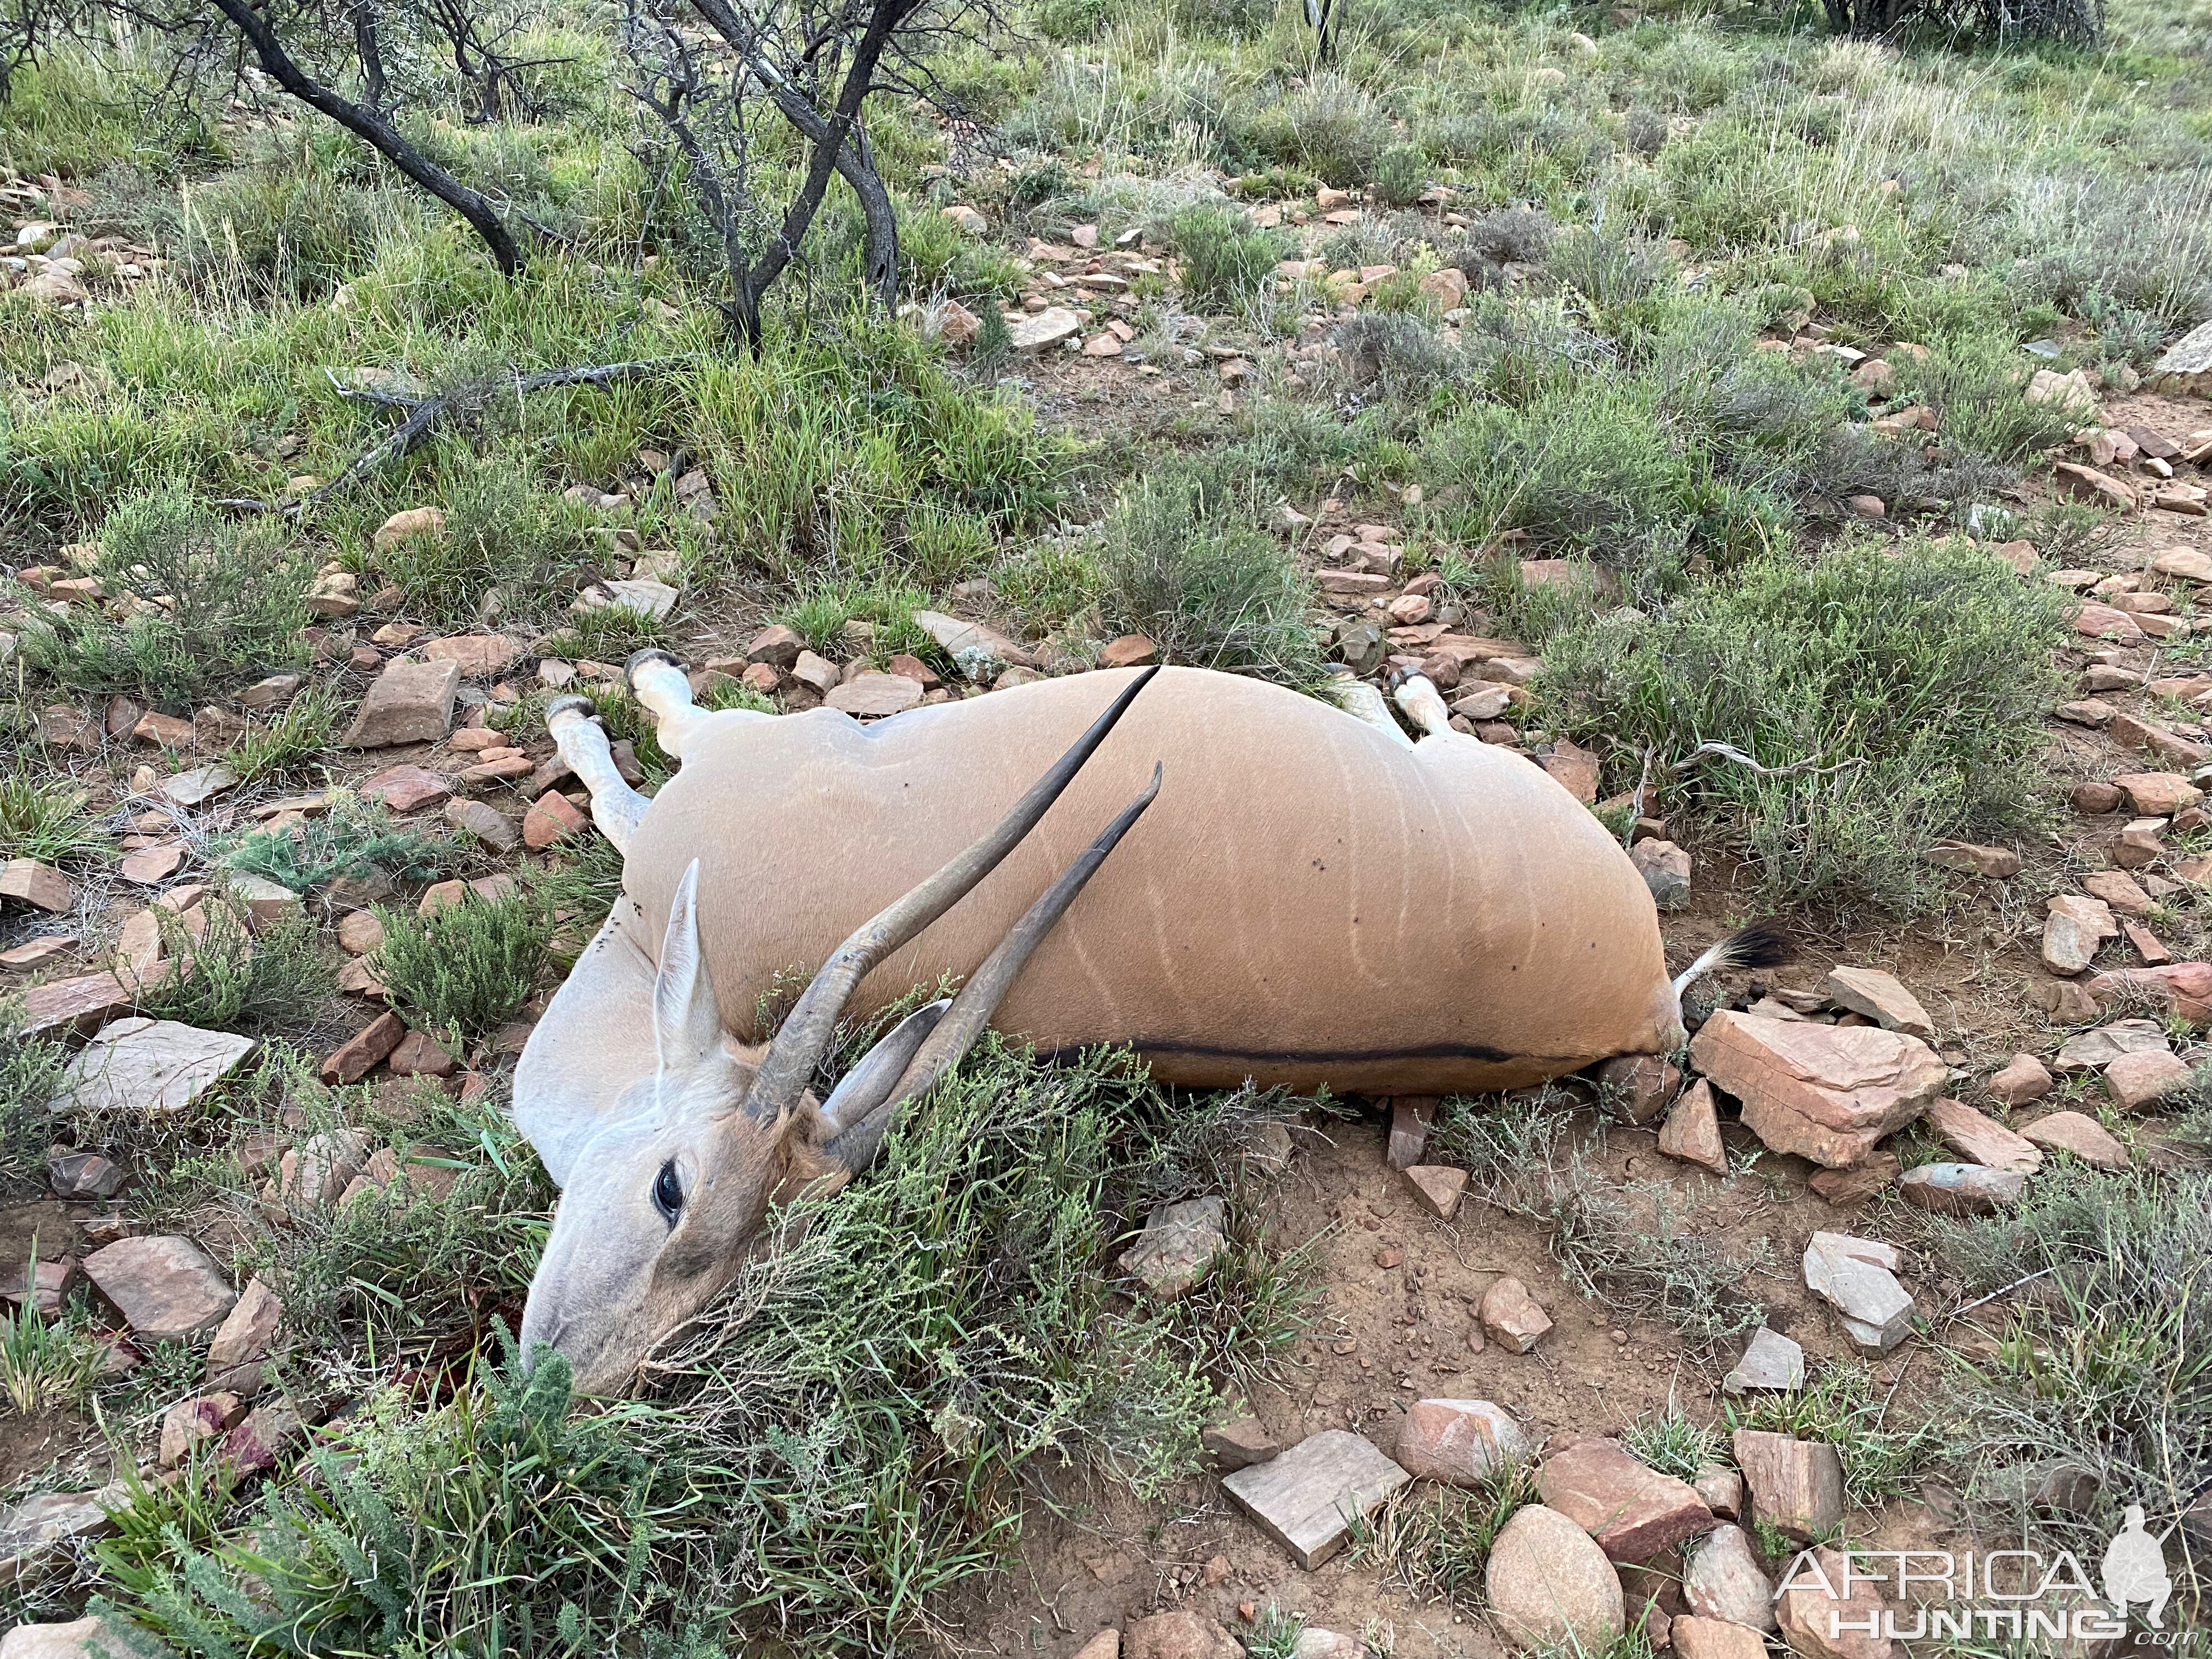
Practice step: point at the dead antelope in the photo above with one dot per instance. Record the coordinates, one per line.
(1314, 899)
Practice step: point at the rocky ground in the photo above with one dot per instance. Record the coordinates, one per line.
(1492, 1434)
(1448, 1347)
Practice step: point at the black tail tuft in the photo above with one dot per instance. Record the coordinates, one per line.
(1762, 944)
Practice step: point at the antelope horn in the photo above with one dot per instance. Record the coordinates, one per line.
(963, 1021)
(799, 1046)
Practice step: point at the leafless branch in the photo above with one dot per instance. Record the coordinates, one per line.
(1729, 751)
(425, 415)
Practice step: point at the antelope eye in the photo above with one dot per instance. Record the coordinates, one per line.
(668, 1193)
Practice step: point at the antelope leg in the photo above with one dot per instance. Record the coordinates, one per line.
(657, 681)
(1364, 702)
(615, 807)
(1424, 706)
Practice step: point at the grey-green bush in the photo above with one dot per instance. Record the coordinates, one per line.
(1899, 694)
(1226, 259)
(1183, 563)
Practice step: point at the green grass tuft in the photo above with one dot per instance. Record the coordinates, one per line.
(46, 819)
(47, 1363)
(290, 743)
(1226, 260)
(30, 1071)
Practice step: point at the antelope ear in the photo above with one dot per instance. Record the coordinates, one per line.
(861, 1090)
(806, 1171)
(687, 1022)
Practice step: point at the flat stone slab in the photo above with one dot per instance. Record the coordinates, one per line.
(35, 1534)
(1825, 1093)
(1047, 327)
(1858, 1277)
(2081, 1135)
(1307, 1499)
(642, 595)
(1439, 1187)
(200, 784)
(1979, 1139)
(1693, 1130)
(410, 702)
(2135, 1081)
(1961, 1188)
(70, 1005)
(168, 1289)
(2189, 356)
(1797, 1485)
(1723, 1582)
(874, 696)
(2094, 1050)
(963, 640)
(155, 1067)
(1882, 998)
(83, 1638)
(1771, 1360)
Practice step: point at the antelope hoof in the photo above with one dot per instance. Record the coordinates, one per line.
(568, 703)
(638, 658)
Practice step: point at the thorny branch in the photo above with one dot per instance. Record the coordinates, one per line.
(309, 49)
(815, 66)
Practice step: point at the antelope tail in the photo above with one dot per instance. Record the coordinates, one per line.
(1762, 944)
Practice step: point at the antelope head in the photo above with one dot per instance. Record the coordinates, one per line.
(662, 1204)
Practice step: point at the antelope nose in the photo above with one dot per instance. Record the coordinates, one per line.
(537, 1329)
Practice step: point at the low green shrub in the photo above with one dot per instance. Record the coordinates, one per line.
(1886, 1445)
(355, 838)
(218, 600)
(501, 1524)
(1401, 174)
(1894, 697)
(1226, 259)
(228, 977)
(46, 1363)
(1330, 126)
(1974, 386)
(1181, 563)
(1433, 1542)
(2102, 1369)
(467, 965)
(412, 1261)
